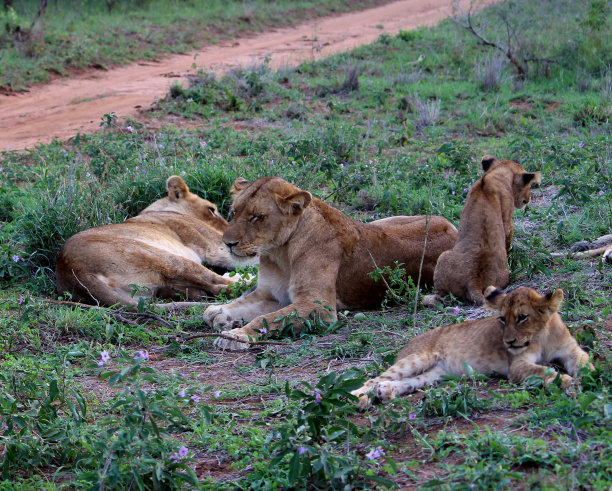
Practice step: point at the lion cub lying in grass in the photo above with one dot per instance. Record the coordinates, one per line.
(528, 332)
(161, 249)
(311, 252)
(480, 256)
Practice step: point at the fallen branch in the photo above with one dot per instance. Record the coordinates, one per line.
(231, 338)
(116, 313)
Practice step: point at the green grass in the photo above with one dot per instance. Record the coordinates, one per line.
(73, 34)
(368, 145)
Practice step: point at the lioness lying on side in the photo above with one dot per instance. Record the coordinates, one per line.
(309, 251)
(480, 255)
(161, 249)
(528, 333)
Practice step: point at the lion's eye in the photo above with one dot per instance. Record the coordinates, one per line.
(502, 320)
(254, 218)
(521, 318)
(212, 210)
(231, 214)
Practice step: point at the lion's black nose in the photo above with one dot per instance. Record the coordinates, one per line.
(231, 244)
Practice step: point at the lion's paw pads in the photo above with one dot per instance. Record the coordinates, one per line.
(364, 398)
(240, 341)
(219, 318)
(385, 391)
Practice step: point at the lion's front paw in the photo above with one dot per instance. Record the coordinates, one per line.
(385, 391)
(219, 318)
(364, 398)
(240, 341)
(566, 380)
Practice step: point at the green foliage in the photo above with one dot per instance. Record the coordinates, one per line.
(456, 396)
(363, 150)
(400, 288)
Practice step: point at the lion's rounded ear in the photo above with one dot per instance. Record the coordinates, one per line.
(554, 300)
(295, 203)
(177, 188)
(239, 185)
(530, 178)
(493, 297)
(487, 162)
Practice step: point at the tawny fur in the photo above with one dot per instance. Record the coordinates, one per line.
(161, 249)
(310, 251)
(527, 334)
(480, 255)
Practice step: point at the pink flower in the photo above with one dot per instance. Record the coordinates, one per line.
(130, 129)
(456, 309)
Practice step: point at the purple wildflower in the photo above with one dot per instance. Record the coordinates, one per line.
(456, 309)
(203, 144)
(183, 451)
(174, 457)
(195, 398)
(20, 301)
(302, 450)
(181, 393)
(318, 397)
(263, 330)
(105, 356)
(16, 258)
(581, 144)
(375, 453)
(4, 426)
(412, 416)
(100, 364)
(130, 129)
(216, 394)
(142, 355)
(602, 192)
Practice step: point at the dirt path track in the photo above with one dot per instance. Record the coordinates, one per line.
(65, 107)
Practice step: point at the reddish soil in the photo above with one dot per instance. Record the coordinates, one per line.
(66, 107)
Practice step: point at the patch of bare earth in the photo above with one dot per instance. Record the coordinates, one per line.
(65, 107)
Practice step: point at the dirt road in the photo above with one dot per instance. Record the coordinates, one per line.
(65, 107)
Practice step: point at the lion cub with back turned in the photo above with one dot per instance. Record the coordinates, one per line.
(480, 255)
(528, 333)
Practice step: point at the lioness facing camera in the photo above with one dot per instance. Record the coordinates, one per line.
(161, 249)
(311, 252)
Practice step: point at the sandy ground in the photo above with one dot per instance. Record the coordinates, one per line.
(66, 107)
